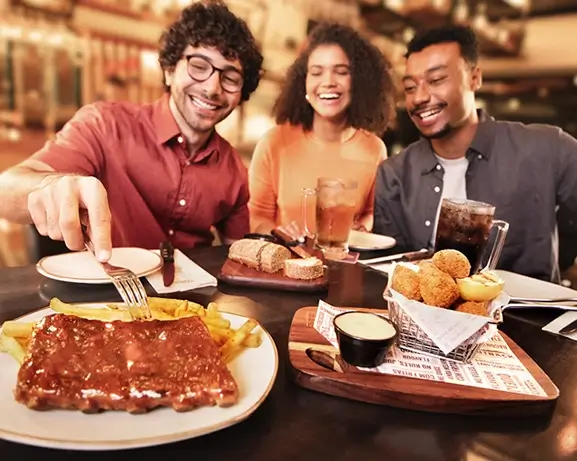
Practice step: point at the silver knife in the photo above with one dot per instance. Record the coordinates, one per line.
(407, 257)
(167, 253)
(571, 328)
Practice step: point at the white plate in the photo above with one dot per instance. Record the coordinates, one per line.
(82, 267)
(521, 286)
(254, 370)
(364, 241)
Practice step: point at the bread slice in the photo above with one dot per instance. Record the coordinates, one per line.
(303, 269)
(260, 255)
(273, 257)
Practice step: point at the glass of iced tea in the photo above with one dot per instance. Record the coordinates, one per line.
(465, 225)
(334, 212)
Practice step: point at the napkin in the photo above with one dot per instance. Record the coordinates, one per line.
(187, 276)
(560, 322)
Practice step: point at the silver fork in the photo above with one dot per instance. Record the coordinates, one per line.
(127, 284)
(544, 300)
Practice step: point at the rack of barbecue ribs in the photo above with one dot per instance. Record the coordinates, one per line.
(92, 365)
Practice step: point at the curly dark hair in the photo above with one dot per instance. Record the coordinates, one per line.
(372, 85)
(462, 35)
(213, 24)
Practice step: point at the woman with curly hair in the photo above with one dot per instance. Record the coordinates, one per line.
(145, 173)
(336, 100)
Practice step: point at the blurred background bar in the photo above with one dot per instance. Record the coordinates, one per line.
(56, 55)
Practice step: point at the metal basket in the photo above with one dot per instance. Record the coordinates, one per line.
(413, 338)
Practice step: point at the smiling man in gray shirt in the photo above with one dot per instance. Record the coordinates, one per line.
(525, 171)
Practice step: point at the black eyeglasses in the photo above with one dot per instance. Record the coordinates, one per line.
(201, 69)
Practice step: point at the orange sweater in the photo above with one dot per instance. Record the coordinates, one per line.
(287, 159)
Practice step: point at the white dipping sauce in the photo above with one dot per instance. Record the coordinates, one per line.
(365, 325)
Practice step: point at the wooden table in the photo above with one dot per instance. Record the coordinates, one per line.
(296, 424)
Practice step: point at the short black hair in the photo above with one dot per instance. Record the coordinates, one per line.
(372, 85)
(211, 23)
(462, 35)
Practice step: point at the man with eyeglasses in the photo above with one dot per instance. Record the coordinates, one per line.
(137, 175)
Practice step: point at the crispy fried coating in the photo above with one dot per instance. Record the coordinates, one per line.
(437, 287)
(406, 282)
(452, 262)
(473, 307)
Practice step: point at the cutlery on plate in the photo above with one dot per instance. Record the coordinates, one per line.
(516, 299)
(400, 257)
(167, 253)
(562, 307)
(126, 283)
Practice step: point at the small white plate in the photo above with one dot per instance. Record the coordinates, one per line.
(254, 370)
(364, 241)
(82, 267)
(521, 286)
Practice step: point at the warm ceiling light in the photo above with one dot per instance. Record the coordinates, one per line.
(514, 104)
(56, 39)
(10, 32)
(394, 4)
(408, 34)
(35, 36)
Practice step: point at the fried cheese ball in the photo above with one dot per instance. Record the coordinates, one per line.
(406, 282)
(452, 262)
(472, 307)
(437, 287)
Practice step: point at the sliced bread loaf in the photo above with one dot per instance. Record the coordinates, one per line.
(260, 255)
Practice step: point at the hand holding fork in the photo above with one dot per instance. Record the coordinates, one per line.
(127, 284)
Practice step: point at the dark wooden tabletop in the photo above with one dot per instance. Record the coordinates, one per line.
(297, 424)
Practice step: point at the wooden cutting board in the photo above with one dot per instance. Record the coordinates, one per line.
(238, 274)
(403, 392)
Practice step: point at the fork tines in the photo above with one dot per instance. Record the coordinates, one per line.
(133, 294)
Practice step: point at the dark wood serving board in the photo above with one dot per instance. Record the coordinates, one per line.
(403, 392)
(235, 273)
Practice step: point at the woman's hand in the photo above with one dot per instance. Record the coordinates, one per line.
(359, 227)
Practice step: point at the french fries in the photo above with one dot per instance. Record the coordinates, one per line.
(104, 314)
(18, 329)
(15, 335)
(12, 346)
(235, 342)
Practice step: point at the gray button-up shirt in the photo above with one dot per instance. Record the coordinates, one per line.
(526, 171)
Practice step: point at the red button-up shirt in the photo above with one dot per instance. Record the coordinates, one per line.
(154, 192)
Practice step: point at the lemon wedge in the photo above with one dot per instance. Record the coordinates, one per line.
(484, 286)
